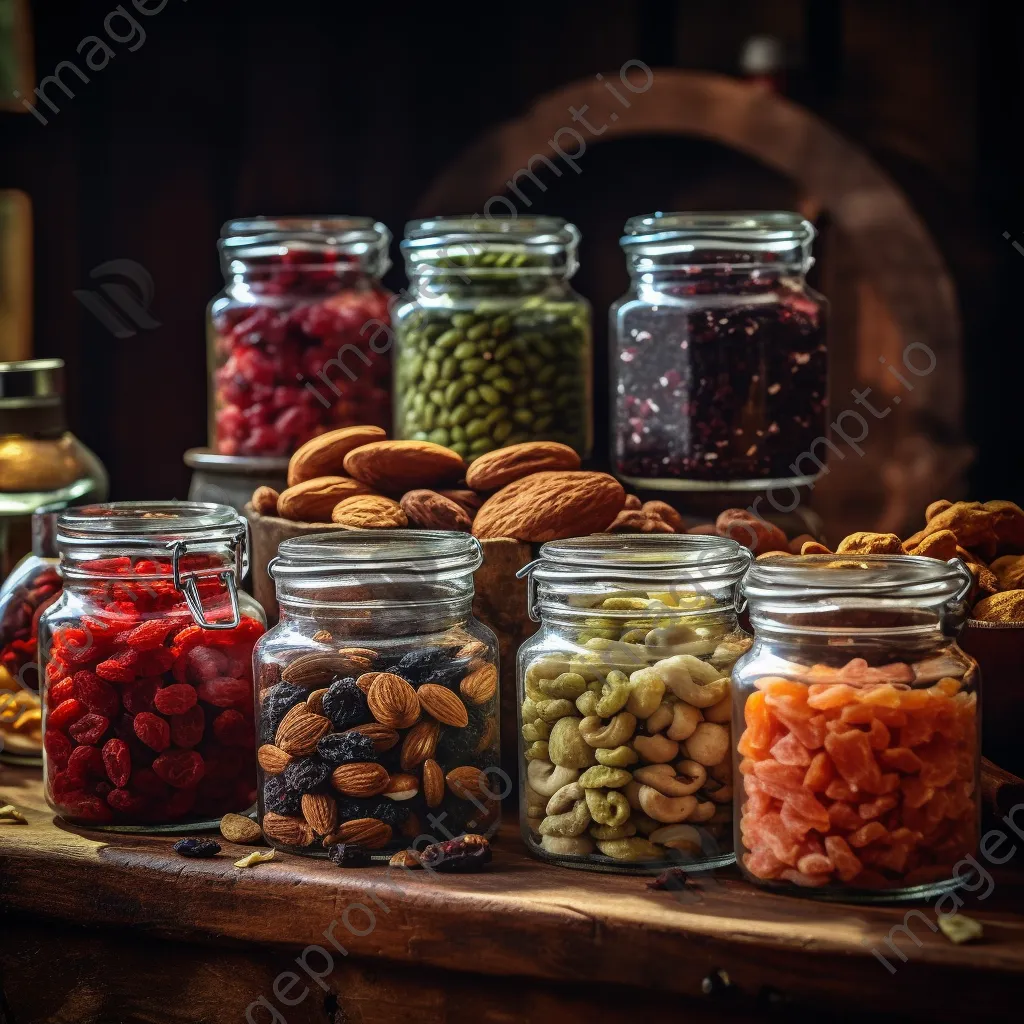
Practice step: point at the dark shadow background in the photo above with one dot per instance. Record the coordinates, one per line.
(240, 107)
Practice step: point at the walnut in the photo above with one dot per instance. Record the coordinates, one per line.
(864, 543)
(935, 545)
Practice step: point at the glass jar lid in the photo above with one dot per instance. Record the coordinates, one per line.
(305, 243)
(741, 240)
(491, 247)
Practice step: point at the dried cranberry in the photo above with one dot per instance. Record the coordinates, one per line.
(96, 694)
(117, 760)
(224, 692)
(175, 699)
(65, 714)
(58, 748)
(138, 697)
(152, 730)
(89, 729)
(86, 762)
(187, 729)
(233, 729)
(180, 768)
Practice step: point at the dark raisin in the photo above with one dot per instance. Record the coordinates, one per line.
(277, 797)
(417, 666)
(306, 774)
(342, 748)
(458, 746)
(277, 702)
(465, 854)
(197, 847)
(345, 704)
(345, 855)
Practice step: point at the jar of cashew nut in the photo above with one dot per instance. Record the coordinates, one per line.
(625, 702)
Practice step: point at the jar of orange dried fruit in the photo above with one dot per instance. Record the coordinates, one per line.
(858, 724)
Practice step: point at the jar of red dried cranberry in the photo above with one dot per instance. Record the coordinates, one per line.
(719, 360)
(299, 339)
(146, 666)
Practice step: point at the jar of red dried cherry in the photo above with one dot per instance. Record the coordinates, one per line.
(146, 666)
(719, 363)
(299, 338)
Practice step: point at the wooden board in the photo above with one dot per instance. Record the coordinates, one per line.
(538, 931)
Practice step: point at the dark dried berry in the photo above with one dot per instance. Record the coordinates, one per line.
(345, 704)
(197, 847)
(465, 854)
(306, 774)
(673, 878)
(343, 748)
(391, 812)
(345, 855)
(449, 675)
(277, 797)
(416, 666)
(277, 702)
(458, 746)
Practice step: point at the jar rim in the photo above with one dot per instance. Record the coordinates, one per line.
(153, 520)
(394, 554)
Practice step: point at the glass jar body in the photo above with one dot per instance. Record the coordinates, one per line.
(857, 763)
(298, 341)
(377, 729)
(625, 733)
(147, 716)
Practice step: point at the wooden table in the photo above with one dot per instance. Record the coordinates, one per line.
(102, 927)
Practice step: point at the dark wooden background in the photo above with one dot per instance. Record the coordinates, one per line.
(240, 107)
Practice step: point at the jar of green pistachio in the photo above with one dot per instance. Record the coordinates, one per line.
(493, 347)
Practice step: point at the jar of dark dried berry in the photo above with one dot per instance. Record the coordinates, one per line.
(146, 666)
(718, 354)
(493, 346)
(377, 694)
(299, 339)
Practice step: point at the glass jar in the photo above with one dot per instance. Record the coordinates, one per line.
(31, 588)
(494, 347)
(299, 338)
(147, 667)
(40, 462)
(858, 724)
(624, 701)
(718, 355)
(377, 694)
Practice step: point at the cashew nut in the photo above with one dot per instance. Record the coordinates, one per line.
(547, 667)
(607, 832)
(614, 694)
(571, 823)
(567, 746)
(666, 808)
(661, 718)
(709, 744)
(602, 777)
(693, 680)
(720, 712)
(646, 693)
(608, 807)
(704, 811)
(553, 710)
(685, 718)
(631, 791)
(536, 751)
(529, 710)
(614, 734)
(538, 730)
(578, 846)
(629, 849)
(722, 772)
(682, 780)
(564, 799)
(655, 749)
(722, 795)
(678, 837)
(546, 779)
(644, 824)
(567, 686)
(669, 636)
(586, 702)
(619, 757)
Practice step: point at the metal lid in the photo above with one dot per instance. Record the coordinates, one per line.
(31, 383)
(155, 521)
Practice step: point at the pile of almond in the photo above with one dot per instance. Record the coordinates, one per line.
(357, 478)
(988, 536)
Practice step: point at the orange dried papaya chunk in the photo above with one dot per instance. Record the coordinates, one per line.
(919, 729)
(801, 812)
(819, 773)
(872, 832)
(884, 695)
(808, 727)
(844, 817)
(901, 759)
(915, 792)
(938, 763)
(757, 736)
(789, 750)
(865, 714)
(829, 696)
(876, 808)
(854, 759)
(787, 689)
(770, 832)
(839, 789)
(803, 880)
(815, 864)
(878, 736)
(762, 863)
(847, 864)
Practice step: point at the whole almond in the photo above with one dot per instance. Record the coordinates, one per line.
(480, 685)
(432, 511)
(496, 469)
(468, 501)
(420, 743)
(312, 501)
(551, 506)
(467, 781)
(433, 783)
(287, 830)
(393, 702)
(300, 731)
(487, 736)
(382, 737)
(443, 704)
(664, 511)
(237, 828)
(360, 778)
(369, 512)
(320, 812)
(325, 455)
(365, 680)
(264, 501)
(395, 467)
(315, 701)
(273, 760)
(402, 787)
(368, 833)
(471, 649)
(319, 668)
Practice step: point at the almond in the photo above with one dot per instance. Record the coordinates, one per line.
(551, 506)
(365, 681)
(264, 501)
(315, 702)
(369, 512)
(320, 667)
(467, 781)
(382, 737)
(287, 830)
(360, 778)
(487, 736)
(420, 743)
(368, 833)
(433, 783)
(237, 828)
(432, 511)
(300, 731)
(320, 812)
(312, 501)
(471, 649)
(393, 702)
(402, 787)
(480, 686)
(322, 636)
(663, 510)
(273, 760)
(496, 469)
(443, 704)
(395, 467)
(325, 454)
(468, 501)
